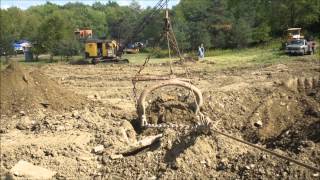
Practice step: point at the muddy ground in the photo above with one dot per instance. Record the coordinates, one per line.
(275, 106)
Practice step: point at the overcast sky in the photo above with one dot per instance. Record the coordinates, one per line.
(24, 4)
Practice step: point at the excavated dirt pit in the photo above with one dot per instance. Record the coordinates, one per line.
(275, 106)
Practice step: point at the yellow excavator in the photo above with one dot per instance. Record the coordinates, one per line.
(99, 50)
(103, 51)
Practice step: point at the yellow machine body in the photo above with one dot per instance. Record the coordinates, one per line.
(105, 49)
(91, 49)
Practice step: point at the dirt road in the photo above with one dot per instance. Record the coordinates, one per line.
(276, 106)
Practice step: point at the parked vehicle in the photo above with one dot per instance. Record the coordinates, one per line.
(20, 46)
(299, 46)
(133, 48)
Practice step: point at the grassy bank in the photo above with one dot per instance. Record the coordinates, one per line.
(261, 55)
(221, 58)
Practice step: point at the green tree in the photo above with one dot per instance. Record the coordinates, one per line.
(241, 34)
(10, 30)
(52, 31)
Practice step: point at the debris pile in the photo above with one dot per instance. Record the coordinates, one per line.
(23, 91)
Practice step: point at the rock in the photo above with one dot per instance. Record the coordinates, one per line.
(105, 160)
(152, 178)
(261, 171)
(22, 113)
(309, 144)
(258, 124)
(29, 171)
(315, 175)
(37, 153)
(284, 174)
(45, 104)
(162, 167)
(96, 96)
(263, 157)
(24, 123)
(129, 130)
(76, 114)
(98, 149)
(116, 156)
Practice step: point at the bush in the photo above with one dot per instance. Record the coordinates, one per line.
(160, 53)
(66, 49)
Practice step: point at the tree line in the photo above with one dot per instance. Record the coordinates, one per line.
(215, 23)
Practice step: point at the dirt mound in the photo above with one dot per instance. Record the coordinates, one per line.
(28, 91)
(285, 108)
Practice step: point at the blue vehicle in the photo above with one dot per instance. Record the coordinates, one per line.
(20, 46)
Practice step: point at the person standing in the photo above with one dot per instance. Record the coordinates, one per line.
(202, 49)
(201, 52)
(313, 47)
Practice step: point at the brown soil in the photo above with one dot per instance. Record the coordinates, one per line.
(28, 91)
(276, 106)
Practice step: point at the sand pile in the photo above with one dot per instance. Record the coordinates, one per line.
(29, 91)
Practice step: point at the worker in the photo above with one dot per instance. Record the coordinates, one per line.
(200, 53)
(202, 49)
(313, 47)
(99, 52)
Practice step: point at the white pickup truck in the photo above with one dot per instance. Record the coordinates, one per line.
(299, 46)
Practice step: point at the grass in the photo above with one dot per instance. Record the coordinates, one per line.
(220, 58)
(43, 59)
(261, 55)
(140, 58)
(248, 57)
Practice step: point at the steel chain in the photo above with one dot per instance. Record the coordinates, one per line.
(204, 124)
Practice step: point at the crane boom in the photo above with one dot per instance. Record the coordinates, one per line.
(139, 27)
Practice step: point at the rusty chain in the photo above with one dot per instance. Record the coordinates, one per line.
(203, 125)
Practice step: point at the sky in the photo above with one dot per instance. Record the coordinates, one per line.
(25, 4)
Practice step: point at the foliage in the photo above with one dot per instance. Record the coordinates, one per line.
(215, 23)
(66, 48)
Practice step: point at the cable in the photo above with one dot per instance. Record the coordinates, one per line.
(269, 151)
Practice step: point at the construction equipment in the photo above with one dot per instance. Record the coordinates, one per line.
(139, 27)
(169, 80)
(98, 50)
(83, 33)
(109, 50)
(102, 51)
